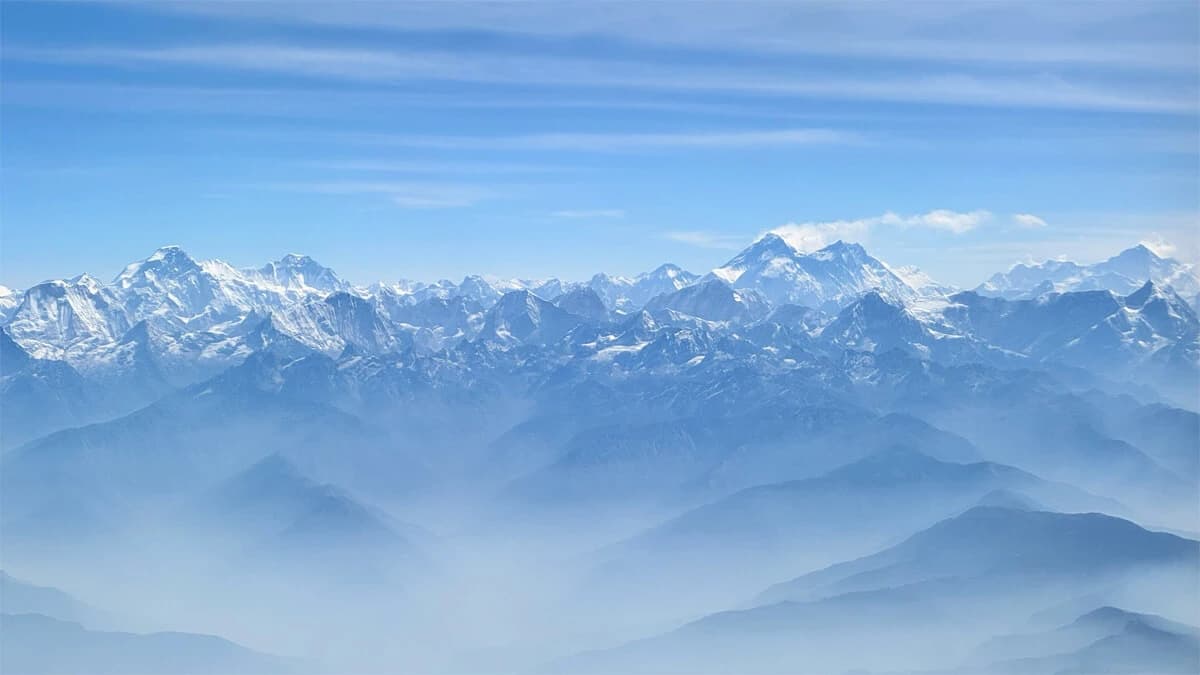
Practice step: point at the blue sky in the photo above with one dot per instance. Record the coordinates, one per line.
(431, 140)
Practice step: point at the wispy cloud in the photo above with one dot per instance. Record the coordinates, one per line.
(621, 141)
(810, 236)
(1038, 89)
(940, 219)
(589, 213)
(1107, 34)
(1028, 220)
(429, 167)
(1160, 245)
(411, 195)
(815, 235)
(329, 100)
(704, 239)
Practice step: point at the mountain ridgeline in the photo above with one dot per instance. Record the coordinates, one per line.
(795, 462)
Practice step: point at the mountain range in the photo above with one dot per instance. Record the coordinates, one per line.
(910, 592)
(791, 455)
(169, 320)
(1122, 274)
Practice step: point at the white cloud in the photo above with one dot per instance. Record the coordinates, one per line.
(811, 236)
(940, 219)
(411, 195)
(1028, 220)
(589, 213)
(703, 239)
(1161, 247)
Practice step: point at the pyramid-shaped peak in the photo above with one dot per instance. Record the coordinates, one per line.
(1133, 259)
(1007, 498)
(1141, 295)
(708, 287)
(91, 283)
(167, 261)
(140, 333)
(1141, 251)
(172, 253)
(476, 282)
(518, 299)
(896, 464)
(774, 243)
(876, 301)
(844, 248)
(642, 319)
(296, 259)
(168, 250)
(669, 270)
(274, 464)
(298, 262)
(296, 270)
(771, 239)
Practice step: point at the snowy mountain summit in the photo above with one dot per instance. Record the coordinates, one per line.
(827, 279)
(169, 320)
(300, 272)
(1123, 273)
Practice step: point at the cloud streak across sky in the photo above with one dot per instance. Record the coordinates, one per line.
(623, 141)
(1037, 89)
(712, 122)
(1022, 32)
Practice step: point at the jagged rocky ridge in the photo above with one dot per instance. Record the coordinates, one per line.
(169, 320)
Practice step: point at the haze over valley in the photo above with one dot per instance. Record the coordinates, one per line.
(760, 468)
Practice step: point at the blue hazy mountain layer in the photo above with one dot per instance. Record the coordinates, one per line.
(798, 462)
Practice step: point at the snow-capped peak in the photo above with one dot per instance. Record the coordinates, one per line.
(840, 250)
(666, 270)
(921, 282)
(767, 248)
(774, 244)
(712, 300)
(826, 279)
(475, 287)
(9, 300)
(1122, 274)
(628, 295)
(300, 272)
(168, 252)
(87, 281)
(168, 261)
(1137, 252)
